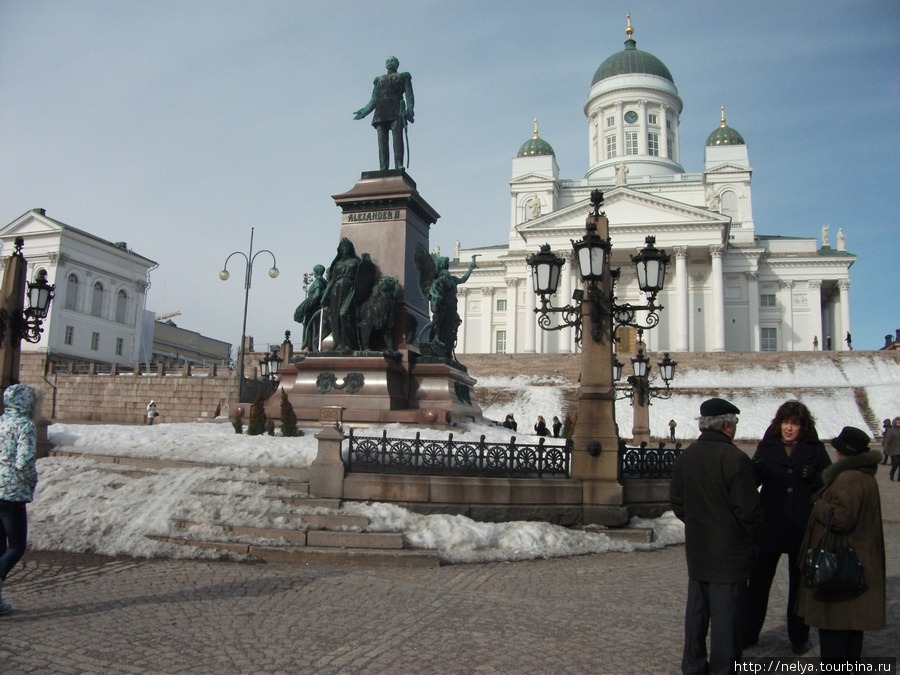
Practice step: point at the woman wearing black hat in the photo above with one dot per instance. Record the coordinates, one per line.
(789, 461)
(851, 497)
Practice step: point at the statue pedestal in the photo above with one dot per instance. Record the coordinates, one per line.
(385, 216)
(377, 389)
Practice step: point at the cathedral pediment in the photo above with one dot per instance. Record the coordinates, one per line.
(728, 168)
(633, 214)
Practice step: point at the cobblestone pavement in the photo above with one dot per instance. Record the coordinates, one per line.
(611, 613)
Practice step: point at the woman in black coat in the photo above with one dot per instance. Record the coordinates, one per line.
(789, 461)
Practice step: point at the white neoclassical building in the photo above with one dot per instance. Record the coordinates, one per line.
(728, 288)
(98, 314)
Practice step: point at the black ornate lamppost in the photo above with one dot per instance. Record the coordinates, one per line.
(249, 258)
(639, 390)
(595, 308)
(269, 365)
(18, 322)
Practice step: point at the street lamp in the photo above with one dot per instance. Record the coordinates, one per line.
(595, 305)
(249, 258)
(592, 252)
(638, 389)
(27, 324)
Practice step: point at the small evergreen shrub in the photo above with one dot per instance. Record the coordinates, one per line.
(257, 423)
(288, 417)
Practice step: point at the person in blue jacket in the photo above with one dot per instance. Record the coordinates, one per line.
(18, 477)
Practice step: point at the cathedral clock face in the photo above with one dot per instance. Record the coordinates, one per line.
(631, 117)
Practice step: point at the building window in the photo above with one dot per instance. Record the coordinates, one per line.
(610, 121)
(768, 339)
(631, 144)
(121, 305)
(70, 335)
(501, 304)
(669, 124)
(97, 300)
(501, 341)
(653, 144)
(95, 341)
(71, 291)
(652, 119)
(120, 346)
(767, 300)
(669, 148)
(610, 147)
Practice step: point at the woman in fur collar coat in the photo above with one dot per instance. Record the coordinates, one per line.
(851, 496)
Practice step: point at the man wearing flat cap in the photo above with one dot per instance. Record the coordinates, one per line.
(714, 492)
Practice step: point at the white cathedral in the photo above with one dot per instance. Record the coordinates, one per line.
(727, 287)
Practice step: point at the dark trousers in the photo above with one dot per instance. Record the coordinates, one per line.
(758, 598)
(13, 534)
(840, 645)
(895, 462)
(715, 609)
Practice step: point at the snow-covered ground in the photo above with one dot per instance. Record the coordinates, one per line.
(82, 505)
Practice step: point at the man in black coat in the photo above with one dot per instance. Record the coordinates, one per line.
(714, 492)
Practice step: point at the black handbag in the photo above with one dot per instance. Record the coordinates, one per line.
(833, 565)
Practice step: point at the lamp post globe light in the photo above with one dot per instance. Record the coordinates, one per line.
(595, 437)
(224, 275)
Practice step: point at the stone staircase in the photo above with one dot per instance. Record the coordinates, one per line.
(563, 370)
(291, 527)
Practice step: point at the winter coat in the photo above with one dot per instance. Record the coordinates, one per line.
(851, 494)
(18, 444)
(785, 496)
(713, 491)
(891, 441)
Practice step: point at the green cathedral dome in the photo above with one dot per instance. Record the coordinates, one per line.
(631, 60)
(725, 135)
(535, 145)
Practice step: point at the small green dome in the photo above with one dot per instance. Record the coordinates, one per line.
(535, 145)
(631, 60)
(725, 135)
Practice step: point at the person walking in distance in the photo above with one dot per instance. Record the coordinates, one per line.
(891, 446)
(789, 462)
(713, 491)
(18, 477)
(152, 413)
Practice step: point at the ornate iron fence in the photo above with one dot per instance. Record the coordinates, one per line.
(458, 458)
(644, 462)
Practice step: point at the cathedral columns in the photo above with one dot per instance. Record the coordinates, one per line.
(844, 288)
(620, 129)
(663, 131)
(487, 319)
(462, 297)
(512, 296)
(682, 306)
(530, 323)
(717, 281)
(565, 335)
(815, 313)
(753, 307)
(787, 315)
(643, 148)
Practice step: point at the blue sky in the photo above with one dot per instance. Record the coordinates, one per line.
(176, 126)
